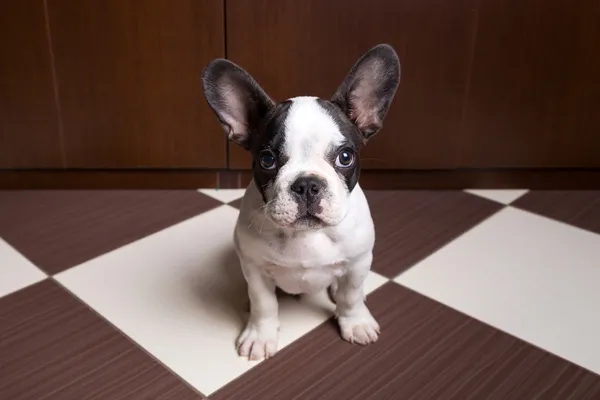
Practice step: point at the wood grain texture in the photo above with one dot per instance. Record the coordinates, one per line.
(29, 128)
(306, 47)
(129, 77)
(534, 88)
(54, 347)
(578, 208)
(57, 230)
(426, 351)
(411, 225)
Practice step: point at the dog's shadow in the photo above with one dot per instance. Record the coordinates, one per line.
(218, 287)
(219, 290)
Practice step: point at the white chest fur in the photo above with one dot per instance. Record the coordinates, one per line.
(305, 263)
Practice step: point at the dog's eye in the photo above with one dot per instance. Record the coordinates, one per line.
(267, 160)
(345, 158)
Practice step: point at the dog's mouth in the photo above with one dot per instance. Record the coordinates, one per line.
(301, 223)
(308, 221)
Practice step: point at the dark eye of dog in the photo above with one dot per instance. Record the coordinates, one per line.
(267, 160)
(345, 158)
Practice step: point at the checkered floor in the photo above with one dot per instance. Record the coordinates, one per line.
(137, 295)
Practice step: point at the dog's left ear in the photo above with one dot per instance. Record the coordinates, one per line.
(367, 92)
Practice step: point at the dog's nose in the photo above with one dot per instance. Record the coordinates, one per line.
(307, 188)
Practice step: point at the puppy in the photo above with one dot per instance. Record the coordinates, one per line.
(305, 224)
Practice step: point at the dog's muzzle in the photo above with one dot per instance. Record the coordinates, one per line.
(308, 191)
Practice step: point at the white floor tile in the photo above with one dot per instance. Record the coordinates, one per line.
(500, 196)
(224, 195)
(16, 272)
(180, 294)
(532, 277)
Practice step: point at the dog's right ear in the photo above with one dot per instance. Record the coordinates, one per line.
(236, 98)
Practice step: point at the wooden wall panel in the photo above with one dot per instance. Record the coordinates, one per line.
(129, 82)
(535, 85)
(29, 131)
(300, 47)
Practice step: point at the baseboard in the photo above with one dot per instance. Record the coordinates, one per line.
(583, 179)
(108, 179)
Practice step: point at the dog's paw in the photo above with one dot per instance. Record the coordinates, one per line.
(258, 341)
(362, 329)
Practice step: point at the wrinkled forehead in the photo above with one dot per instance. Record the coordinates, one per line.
(310, 130)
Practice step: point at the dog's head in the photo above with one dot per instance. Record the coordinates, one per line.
(305, 150)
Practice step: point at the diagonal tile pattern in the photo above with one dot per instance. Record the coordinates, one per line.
(581, 209)
(236, 203)
(57, 229)
(224, 195)
(416, 223)
(53, 347)
(16, 271)
(530, 277)
(164, 281)
(492, 296)
(502, 196)
(426, 351)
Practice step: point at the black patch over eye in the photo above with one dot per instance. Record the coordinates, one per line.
(267, 160)
(345, 158)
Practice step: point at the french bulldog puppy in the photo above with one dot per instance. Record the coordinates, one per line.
(305, 224)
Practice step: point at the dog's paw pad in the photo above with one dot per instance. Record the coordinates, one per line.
(359, 330)
(258, 342)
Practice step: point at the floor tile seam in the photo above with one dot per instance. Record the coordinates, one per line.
(19, 252)
(520, 197)
(494, 327)
(27, 286)
(547, 218)
(456, 238)
(123, 334)
(134, 242)
(468, 191)
(200, 191)
(142, 237)
(46, 274)
(326, 321)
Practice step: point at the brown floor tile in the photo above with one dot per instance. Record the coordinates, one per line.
(54, 347)
(578, 208)
(236, 203)
(410, 225)
(59, 229)
(426, 351)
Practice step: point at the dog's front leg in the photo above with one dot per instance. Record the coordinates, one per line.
(259, 338)
(357, 325)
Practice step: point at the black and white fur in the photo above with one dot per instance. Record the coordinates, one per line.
(304, 224)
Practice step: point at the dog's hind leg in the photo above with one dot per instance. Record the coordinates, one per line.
(332, 290)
